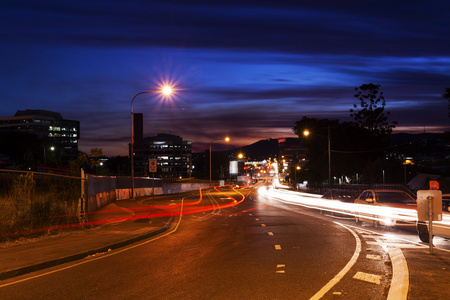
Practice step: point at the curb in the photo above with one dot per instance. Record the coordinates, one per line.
(70, 258)
(400, 279)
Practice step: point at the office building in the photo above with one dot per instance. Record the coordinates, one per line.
(172, 153)
(58, 133)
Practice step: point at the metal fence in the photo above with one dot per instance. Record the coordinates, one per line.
(34, 201)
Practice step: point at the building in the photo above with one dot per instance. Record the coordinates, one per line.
(173, 155)
(57, 133)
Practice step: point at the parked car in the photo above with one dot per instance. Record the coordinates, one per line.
(440, 228)
(343, 196)
(446, 202)
(394, 203)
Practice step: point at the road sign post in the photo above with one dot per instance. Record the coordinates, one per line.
(429, 208)
(152, 167)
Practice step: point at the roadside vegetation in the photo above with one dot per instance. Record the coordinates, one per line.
(35, 203)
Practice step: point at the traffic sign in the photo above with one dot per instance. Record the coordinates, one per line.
(152, 165)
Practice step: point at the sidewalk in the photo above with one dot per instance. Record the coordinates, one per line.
(70, 246)
(429, 274)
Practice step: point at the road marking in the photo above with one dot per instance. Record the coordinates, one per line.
(263, 225)
(372, 278)
(396, 245)
(270, 233)
(344, 271)
(374, 257)
(280, 271)
(250, 215)
(257, 219)
(400, 278)
(277, 247)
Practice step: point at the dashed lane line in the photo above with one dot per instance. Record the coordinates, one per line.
(373, 257)
(270, 233)
(372, 278)
(280, 266)
(277, 247)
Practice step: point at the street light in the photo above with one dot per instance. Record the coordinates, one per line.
(166, 91)
(306, 133)
(227, 139)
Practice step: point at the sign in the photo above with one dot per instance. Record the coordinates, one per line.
(152, 165)
(427, 210)
(434, 185)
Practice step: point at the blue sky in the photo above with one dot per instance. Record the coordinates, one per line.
(247, 69)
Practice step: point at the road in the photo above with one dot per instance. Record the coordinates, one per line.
(257, 248)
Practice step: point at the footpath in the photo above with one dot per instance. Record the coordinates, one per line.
(130, 226)
(429, 275)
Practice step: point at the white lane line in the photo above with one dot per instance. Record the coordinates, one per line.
(270, 233)
(257, 219)
(250, 215)
(280, 271)
(396, 245)
(277, 247)
(372, 278)
(400, 278)
(344, 271)
(263, 225)
(373, 257)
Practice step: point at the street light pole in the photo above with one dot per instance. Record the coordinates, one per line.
(227, 139)
(166, 90)
(306, 133)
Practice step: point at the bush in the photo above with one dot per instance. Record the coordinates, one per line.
(35, 203)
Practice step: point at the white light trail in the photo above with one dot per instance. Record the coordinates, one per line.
(386, 215)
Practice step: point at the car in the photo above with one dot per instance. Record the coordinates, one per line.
(389, 207)
(343, 196)
(440, 228)
(446, 202)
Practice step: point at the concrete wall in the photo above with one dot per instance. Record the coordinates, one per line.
(97, 201)
(173, 188)
(101, 199)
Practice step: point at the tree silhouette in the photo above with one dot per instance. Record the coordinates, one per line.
(372, 115)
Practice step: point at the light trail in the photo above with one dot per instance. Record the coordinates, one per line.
(384, 214)
(148, 212)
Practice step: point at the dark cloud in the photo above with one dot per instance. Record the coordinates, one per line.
(249, 69)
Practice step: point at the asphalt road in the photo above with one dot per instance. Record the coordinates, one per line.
(259, 249)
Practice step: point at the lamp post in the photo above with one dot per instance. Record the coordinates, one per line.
(227, 139)
(306, 133)
(166, 91)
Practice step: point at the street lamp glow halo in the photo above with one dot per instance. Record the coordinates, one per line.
(167, 90)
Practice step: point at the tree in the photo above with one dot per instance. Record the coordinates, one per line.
(446, 95)
(372, 115)
(351, 147)
(83, 160)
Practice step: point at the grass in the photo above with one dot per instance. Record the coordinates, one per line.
(33, 204)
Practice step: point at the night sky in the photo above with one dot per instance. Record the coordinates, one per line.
(247, 69)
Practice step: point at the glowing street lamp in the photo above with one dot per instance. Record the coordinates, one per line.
(227, 139)
(166, 91)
